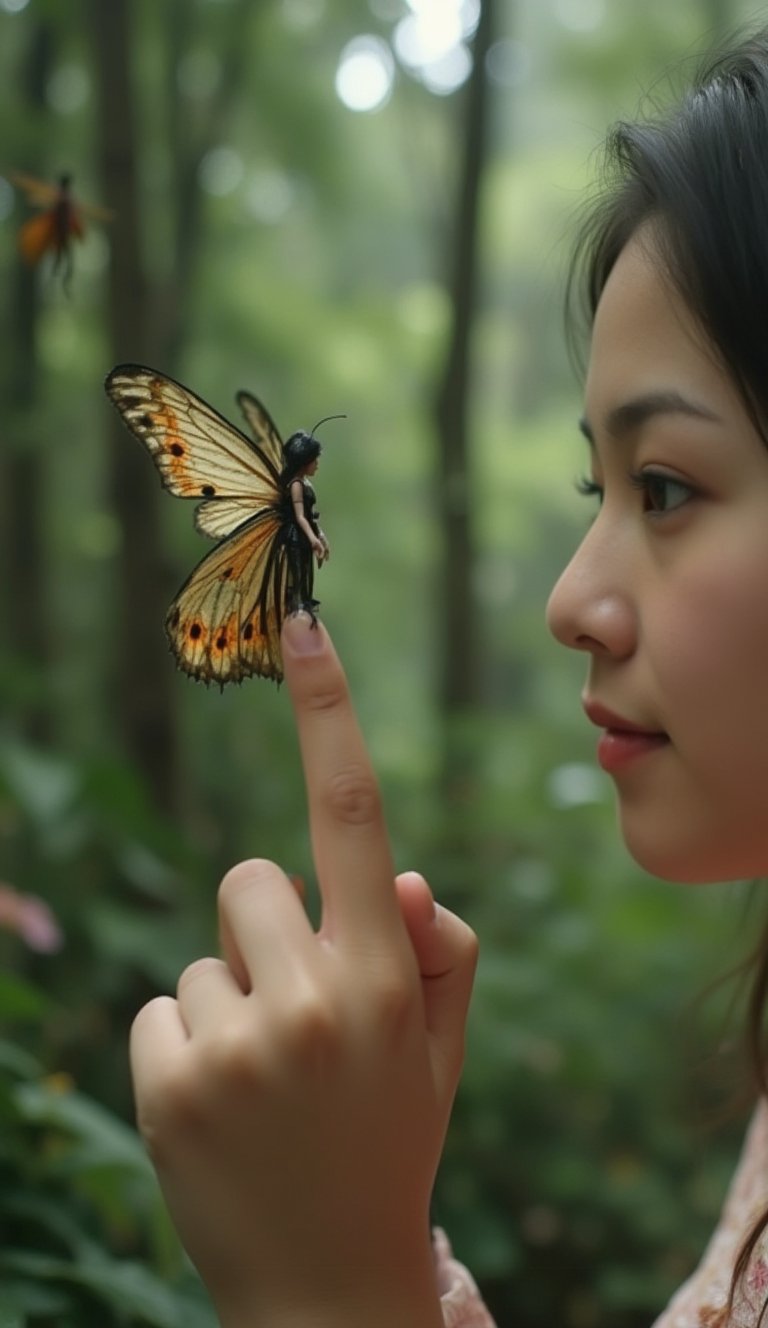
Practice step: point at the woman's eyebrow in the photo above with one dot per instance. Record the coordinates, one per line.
(633, 414)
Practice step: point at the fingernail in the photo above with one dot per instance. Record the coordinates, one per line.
(302, 635)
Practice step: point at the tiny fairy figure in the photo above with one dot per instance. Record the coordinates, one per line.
(254, 496)
(304, 538)
(53, 229)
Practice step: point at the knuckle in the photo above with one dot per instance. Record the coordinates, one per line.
(393, 1006)
(310, 1033)
(245, 874)
(353, 797)
(234, 1057)
(197, 969)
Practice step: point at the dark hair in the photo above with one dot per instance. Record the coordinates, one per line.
(698, 176)
(299, 451)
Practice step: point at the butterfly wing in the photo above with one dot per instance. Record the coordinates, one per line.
(95, 213)
(221, 516)
(197, 452)
(37, 236)
(262, 426)
(43, 194)
(38, 193)
(224, 624)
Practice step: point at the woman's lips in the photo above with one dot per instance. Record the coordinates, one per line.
(619, 747)
(623, 741)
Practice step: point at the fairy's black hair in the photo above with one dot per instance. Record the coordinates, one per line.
(300, 450)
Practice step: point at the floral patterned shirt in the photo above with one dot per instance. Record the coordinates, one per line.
(702, 1301)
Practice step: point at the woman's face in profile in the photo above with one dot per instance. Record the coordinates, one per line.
(667, 594)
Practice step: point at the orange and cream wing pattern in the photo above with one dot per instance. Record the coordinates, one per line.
(219, 517)
(197, 452)
(39, 235)
(224, 624)
(262, 426)
(44, 194)
(38, 193)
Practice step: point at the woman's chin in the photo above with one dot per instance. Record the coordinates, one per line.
(684, 863)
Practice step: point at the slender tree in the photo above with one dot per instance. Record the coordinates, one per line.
(26, 638)
(458, 644)
(141, 683)
(148, 321)
(459, 685)
(188, 143)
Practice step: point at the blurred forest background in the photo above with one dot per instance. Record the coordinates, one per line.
(357, 207)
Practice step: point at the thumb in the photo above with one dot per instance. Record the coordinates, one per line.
(446, 954)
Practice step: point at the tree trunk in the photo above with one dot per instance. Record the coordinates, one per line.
(142, 676)
(459, 655)
(186, 151)
(26, 636)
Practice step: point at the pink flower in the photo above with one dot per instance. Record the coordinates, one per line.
(31, 919)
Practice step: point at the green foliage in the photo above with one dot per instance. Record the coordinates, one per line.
(579, 1183)
(84, 1237)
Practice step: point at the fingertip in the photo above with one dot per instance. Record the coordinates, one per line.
(303, 635)
(413, 880)
(242, 876)
(313, 671)
(156, 1033)
(416, 896)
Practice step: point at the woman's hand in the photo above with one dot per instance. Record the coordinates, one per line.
(294, 1097)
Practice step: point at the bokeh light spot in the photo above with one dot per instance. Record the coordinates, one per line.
(365, 73)
(221, 171)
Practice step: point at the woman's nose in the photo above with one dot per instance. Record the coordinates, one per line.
(592, 606)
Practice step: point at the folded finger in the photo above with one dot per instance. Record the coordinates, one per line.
(265, 933)
(158, 1037)
(446, 953)
(207, 993)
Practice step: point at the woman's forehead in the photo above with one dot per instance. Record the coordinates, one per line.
(646, 342)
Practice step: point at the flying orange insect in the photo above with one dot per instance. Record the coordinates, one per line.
(53, 229)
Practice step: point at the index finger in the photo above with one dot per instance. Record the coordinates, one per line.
(351, 849)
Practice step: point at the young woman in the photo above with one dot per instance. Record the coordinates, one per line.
(295, 1095)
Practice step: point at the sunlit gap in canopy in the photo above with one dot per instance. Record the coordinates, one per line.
(68, 89)
(431, 41)
(365, 74)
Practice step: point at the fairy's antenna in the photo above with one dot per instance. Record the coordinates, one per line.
(325, 420)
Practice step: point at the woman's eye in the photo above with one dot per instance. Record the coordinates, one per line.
(589, 488)
(661, 492)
